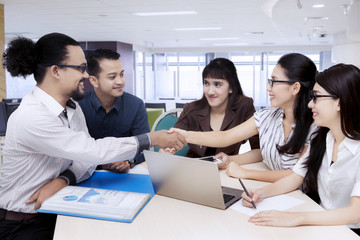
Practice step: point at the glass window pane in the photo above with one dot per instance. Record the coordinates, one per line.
(190, 85)
(165, 84)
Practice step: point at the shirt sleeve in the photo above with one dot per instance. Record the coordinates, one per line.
(312, 133)
(356, 189)
(300, 168)
(257, 118)
(254, 140)
(140, 124)
(50, 137)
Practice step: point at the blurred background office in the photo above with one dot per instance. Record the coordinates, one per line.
(166, 44)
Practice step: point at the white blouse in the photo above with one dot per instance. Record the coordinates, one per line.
(340, 181)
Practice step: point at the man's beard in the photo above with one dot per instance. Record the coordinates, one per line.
(76, 94)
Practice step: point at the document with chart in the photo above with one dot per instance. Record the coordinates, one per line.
(95, 203)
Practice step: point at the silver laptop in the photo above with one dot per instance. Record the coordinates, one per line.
(189, 179)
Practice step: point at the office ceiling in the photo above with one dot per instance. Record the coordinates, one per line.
(232, 23)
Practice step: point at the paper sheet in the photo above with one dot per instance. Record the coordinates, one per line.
(280, 202)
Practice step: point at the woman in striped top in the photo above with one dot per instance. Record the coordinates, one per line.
(284, 130)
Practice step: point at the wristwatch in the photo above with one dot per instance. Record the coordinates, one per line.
(132, 162)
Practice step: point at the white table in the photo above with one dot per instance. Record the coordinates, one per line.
(167, 218)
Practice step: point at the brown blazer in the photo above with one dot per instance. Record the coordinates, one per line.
(200, 121)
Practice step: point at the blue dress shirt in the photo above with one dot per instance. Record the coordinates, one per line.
(126, 118)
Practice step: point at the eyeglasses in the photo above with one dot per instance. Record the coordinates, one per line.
(272, 81)
(82, 68)
(314, 96)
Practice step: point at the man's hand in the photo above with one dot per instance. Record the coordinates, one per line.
(46, 191)
(164, 139)
(120, 167)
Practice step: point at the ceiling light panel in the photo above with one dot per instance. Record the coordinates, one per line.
(175, 13)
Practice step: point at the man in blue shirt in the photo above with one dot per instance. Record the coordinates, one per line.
(109, 111)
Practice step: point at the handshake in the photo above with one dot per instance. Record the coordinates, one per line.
(173, 139)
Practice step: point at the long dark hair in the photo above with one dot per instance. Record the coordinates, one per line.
(299, 68)
(343, 81)
(23, 57)
(221, 68)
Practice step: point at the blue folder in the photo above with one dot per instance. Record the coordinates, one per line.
(114, 181)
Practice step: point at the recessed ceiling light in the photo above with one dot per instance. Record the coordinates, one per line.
(198, 29)
(230, 44)
(17, 33)
(316, 18)
(254, 33)
(318, 6)
(318, 27)
(150, 14)
(217, 39)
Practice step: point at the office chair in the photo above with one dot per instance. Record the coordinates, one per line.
(11, 104)
(166, 121)
(156, 105)
(3, 119)
(180, 105)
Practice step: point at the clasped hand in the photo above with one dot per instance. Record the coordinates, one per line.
(168, 139)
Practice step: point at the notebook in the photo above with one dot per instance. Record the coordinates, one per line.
(189, 179)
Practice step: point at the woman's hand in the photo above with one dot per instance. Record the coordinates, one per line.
(255, 196)
(183, 133)
(277, 219)
(234, 170)
(167, 150)
(224, 158)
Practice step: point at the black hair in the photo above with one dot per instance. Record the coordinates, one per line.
(221, 68)
(23, 57)
(301, 69)
(342, 81)
(94, 58)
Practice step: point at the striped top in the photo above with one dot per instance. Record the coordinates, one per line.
(269, 122)
(41, 143)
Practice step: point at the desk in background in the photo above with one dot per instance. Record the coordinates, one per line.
(168, 218)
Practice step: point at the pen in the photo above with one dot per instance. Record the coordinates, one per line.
(247, 193)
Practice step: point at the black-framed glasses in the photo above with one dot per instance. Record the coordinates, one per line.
(82, 68)
(272, 81)
(314, 96)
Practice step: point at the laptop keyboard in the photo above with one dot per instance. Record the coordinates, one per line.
(227, 197)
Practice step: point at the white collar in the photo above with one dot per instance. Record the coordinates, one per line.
(350, 144)
(48, 101)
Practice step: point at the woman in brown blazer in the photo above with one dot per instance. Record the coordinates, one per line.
(223, 106)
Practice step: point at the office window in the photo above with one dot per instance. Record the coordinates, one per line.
(179, 75)
(250, 70)
(139, 75)
(149, 77)
(18, 87)
(165, 76)
(191, 66)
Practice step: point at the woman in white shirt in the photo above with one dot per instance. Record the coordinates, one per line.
(284, 130)
(331, 165)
